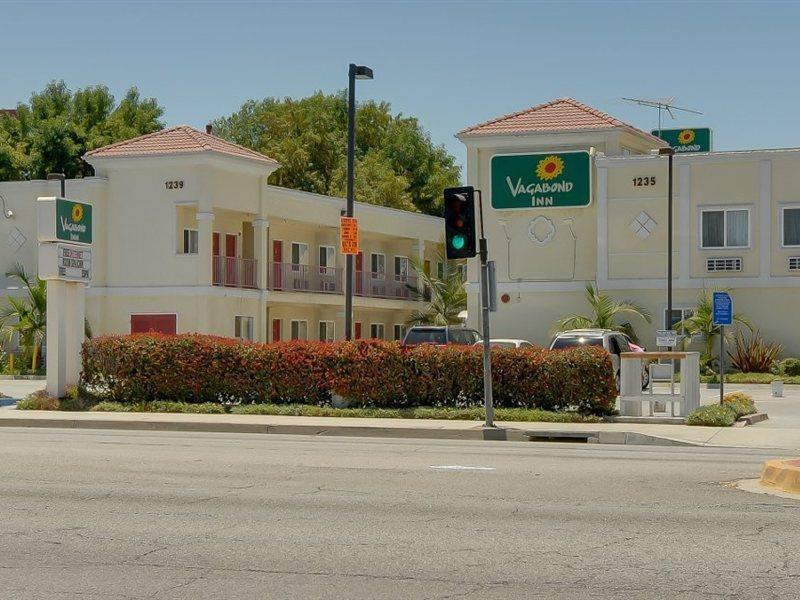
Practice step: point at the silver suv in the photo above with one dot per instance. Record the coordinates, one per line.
(613, 342)
(440, 335)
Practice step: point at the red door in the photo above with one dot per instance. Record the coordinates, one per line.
(359, 282)
(159, 323)
(216, 262)
(277, 264)
(231, 274)
(357, 333)
(276, 330)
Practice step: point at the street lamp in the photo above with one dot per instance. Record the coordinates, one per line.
(356, 72)
(59, 177)
(669, 153)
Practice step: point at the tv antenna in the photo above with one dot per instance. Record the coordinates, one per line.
(662, 104)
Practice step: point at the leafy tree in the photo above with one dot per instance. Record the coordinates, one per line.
(445, 297)
(604, 315)
(56, 127)
(397, 164)
(26, 317)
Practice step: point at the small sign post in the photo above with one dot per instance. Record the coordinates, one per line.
(722, 315)
(65, 262)
(348, 235)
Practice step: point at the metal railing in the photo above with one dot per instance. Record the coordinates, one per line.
(234, 272)
(288, 277)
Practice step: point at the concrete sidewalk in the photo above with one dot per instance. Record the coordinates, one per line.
(612, 433)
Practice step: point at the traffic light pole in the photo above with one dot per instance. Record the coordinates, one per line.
(488, 401)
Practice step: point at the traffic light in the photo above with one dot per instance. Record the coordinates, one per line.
(459, 222)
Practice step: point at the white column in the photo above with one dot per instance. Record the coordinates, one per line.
(76, 315)
(602, 228)
(684, 245)
(419, 249)
(765, 220)
(261, 254)
(65, 310)
(205, 247)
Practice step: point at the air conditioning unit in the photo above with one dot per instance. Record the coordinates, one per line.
(794, 263)
(716, 265)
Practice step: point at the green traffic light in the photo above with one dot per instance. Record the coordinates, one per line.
(458, 241)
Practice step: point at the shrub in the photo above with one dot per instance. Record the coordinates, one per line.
(712, 415)
(753, 355)
(201, 369)
(789, 367)
(742, 404)
(39, 400)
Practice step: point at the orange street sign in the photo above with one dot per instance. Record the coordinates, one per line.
(348, 235)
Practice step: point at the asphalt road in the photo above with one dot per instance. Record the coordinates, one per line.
(105, 515)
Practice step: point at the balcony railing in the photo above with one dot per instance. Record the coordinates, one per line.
(288, 277)
(234, 272)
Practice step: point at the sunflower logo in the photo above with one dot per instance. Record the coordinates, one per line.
(686, 136)
(549, 168)
(77, 213)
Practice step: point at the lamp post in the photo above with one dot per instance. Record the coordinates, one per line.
(355, 72)
(669, 153)
(59, 177)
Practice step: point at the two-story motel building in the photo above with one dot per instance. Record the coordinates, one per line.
(736, 226)
(190, 237)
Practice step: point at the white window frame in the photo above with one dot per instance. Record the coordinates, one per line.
(725, 210)
(373, 273)
(402, 327)
(300, 255)
(784, 208)
(399, 276)
(383, 331)
(291, 329)
(185, 241)
(330, 331)
(441, 269)
(330, 251)
(237, 324)
(685, 309)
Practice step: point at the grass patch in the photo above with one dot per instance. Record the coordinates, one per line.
(309, 410)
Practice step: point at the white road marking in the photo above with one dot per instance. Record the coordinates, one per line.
(460, 468)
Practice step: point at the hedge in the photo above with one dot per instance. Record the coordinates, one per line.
(198, 368)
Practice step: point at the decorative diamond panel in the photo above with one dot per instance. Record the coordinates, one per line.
(16, 239)
(642, 226)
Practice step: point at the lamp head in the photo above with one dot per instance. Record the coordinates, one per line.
(668, 151)
(362, 72)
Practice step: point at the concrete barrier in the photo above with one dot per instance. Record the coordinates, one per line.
(783, 475)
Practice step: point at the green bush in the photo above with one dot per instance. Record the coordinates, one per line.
(789, 367)
(199, 369)
(712, 415)
(39, 400)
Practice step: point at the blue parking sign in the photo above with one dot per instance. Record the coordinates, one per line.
(722, 308)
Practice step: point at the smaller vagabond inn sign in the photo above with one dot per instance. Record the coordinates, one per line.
(546, 180)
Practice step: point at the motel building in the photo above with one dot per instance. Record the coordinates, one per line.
(572, 195)
(190, 237)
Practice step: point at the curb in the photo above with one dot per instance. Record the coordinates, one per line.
(477, 432)
(752, 419)
(783, 475)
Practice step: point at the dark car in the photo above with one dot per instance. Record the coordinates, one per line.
(440, 336)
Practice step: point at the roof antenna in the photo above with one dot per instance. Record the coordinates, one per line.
(662, 104)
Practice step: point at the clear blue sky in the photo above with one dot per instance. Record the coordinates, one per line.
(451, 64)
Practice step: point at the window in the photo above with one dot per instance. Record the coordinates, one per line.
(440, 270)
(399, 332)
(299, 330)
(400, 268)
(378, 266)
(190, 241)
(791, 226)
(462, 268)
(326, 333)
(243, 328)
(376, 331)
(725, 228)
(678, 315)
(327, 260)
(299, 255)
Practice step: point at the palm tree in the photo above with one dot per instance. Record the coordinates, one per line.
(28, 316)
(605, 311)
(701, 323)
(446, 297)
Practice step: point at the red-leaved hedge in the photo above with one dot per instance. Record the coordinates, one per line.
(199, 368)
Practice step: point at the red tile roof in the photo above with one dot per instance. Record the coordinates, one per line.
(562, 114)
(177, 140)
(9, 112)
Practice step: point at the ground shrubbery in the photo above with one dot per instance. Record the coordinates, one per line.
(734, 405)
(200, 369)
(789, 367)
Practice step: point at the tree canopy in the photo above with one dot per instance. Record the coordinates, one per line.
(56, 127)
(397, 164)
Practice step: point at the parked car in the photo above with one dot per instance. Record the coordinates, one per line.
(613, 342)
(507, 343)
(440, 335)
